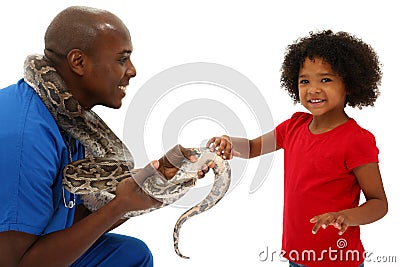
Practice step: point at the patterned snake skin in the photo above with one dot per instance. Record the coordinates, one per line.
(108, 162)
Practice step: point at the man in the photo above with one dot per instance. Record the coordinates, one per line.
(90, 49)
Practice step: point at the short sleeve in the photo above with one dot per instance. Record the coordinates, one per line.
(280, 133)
(362, 149)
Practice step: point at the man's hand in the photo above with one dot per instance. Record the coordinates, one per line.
(170, 163)
(129, 192)
(132, 197)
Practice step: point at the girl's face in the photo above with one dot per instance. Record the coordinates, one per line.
(321, 90)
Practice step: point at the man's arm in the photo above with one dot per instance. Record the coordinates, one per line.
(63, 247)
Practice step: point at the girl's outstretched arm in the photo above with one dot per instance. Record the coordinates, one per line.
(228, 147)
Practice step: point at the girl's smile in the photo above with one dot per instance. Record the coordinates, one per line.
(322, 92)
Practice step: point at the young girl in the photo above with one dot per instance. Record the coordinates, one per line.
(328, 157)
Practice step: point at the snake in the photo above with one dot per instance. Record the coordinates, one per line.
(108, 161)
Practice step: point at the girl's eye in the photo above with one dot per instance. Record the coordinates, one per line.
(324, 80)
(303, 81)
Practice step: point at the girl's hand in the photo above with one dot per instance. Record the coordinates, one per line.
(336, 219)
(223, 146)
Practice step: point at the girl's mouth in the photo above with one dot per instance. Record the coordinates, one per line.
(315, 101)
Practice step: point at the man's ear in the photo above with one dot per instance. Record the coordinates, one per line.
(77, 61)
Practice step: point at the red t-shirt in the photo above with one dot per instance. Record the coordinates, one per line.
(319, 179)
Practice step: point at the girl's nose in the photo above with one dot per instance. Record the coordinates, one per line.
(314, 89)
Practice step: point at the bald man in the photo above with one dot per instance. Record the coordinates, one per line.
(90, 49)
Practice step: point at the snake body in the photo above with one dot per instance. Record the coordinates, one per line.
(108, 161)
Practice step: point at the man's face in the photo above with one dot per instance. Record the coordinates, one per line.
(108, 69)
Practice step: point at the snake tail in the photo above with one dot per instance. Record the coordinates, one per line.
(221, 185)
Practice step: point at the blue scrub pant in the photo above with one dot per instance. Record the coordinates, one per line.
(116, 250)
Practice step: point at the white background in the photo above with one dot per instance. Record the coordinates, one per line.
(250, 37)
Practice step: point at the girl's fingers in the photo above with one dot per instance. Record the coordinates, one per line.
(211, 141)
(223, 147)
(321, 221)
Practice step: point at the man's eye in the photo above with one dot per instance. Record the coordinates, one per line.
(123, 60)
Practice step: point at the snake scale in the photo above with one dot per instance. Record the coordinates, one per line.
(108, 160)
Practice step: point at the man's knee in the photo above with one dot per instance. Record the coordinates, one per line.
(134, 251)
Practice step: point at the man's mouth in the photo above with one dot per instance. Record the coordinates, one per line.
(122, 88)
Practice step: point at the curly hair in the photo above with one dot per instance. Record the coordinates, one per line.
(349, 57)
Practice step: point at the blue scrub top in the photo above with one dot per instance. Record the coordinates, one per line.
(33, 153)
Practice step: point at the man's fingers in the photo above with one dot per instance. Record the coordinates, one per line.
(146, 172)
(176, 155)
(155, 164)
(188, 154)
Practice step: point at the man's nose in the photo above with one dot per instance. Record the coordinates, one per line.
(131, 71)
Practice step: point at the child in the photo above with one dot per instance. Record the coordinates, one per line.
(328, 157)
